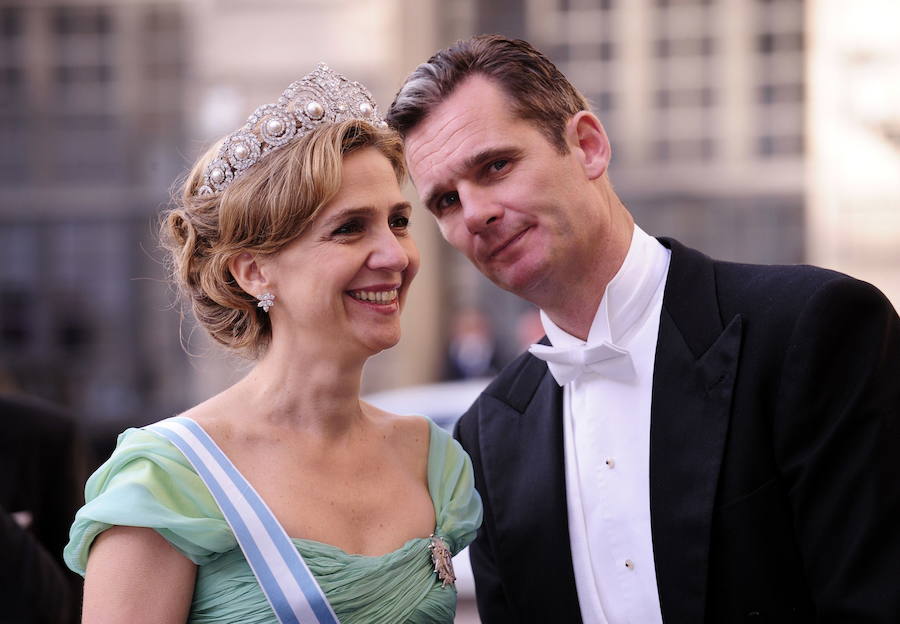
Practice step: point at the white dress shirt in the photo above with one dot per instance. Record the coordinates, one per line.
(607, 446)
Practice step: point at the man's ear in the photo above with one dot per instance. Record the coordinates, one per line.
(250, 273)
(587, 138)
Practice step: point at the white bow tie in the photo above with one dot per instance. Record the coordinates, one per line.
(605, 359)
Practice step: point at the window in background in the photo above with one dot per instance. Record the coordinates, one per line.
(586, 49)
(13, 96)
(91, 127)
(684, 64)
(84, 120)
(779, 49)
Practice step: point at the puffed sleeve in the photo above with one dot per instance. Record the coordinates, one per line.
(452, 484)
(147, 482)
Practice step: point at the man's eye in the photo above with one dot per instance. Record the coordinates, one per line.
(497, 165)
(448, 199)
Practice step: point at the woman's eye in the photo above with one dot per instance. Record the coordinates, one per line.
(351, 227)
(400, 222)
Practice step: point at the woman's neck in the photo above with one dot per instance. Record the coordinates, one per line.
(310, 388)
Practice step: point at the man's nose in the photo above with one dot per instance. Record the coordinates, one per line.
(480, 210)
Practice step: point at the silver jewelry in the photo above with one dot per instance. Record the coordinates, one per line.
(266, 301)
(442, 559)
(321, 97)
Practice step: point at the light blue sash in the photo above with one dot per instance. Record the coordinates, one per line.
(285, 579)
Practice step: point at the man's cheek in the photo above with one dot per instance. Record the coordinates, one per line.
(450, 233)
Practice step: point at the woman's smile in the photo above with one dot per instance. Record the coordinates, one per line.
(381, 299)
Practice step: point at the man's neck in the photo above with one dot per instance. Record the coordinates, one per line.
(577, 317)
(573, 303)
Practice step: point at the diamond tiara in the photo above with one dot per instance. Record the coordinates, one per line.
(321, 97)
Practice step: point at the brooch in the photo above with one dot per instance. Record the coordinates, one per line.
(443, 560)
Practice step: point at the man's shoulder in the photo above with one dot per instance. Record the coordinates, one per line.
(508, 395)
(784, 289)
(511, 390)
(516, 383)
(32, 421)
(685, 257)
(748, 285)
(776, 275)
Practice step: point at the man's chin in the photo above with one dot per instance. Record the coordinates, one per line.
(522, 283)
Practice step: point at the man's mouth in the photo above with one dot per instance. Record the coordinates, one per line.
(378, 297)
(500, 248)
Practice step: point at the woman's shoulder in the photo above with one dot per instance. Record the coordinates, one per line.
(451, 482)
(147, 482)
(450, 477)
(141, 455)
(216, 413)
(143, 459)
(406, 434)
(420, 435)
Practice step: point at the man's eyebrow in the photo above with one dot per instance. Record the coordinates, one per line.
(432, 197)
(486, 155)
(473, 162)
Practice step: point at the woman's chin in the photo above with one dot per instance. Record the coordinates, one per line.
(375, 343)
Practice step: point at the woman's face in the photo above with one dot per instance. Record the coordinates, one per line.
(345, 279)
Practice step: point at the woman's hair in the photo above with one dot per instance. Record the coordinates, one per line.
(260, 212)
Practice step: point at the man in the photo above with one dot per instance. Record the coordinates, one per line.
(34, 588)
(703, 441)
(43, 465)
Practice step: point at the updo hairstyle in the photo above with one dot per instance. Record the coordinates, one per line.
(260, 212)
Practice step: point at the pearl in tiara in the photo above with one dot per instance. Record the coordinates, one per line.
(321, 97)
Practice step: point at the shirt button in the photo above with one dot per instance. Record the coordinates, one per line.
(610, 462)
(629, 564)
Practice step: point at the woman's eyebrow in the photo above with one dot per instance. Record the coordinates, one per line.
(350, 213)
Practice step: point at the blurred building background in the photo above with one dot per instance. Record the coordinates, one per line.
(755, 130)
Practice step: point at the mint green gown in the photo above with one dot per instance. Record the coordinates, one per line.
(147, 482)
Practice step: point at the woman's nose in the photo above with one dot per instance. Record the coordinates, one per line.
(388, 253)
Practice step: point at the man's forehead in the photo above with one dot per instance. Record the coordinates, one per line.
(468, 121)
(444, 139)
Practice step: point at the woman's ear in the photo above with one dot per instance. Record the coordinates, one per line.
(249, 272)
(587, 138)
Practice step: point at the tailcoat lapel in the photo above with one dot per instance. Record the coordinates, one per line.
(522, 454)
(694, 374)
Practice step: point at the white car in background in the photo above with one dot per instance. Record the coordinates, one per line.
(443, 403)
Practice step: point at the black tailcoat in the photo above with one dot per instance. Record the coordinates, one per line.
(774, 457)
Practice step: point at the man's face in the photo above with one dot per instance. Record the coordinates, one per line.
(502, 194)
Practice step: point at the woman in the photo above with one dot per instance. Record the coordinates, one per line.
(291, 241)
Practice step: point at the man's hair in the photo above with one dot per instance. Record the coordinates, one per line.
(537, 90)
